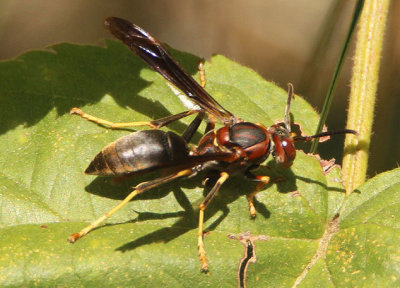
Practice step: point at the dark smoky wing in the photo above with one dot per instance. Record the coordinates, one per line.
(151, 51)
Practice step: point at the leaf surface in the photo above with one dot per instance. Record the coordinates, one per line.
(45, 197)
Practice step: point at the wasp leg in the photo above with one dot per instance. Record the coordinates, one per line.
(210, 124)
(193, 126)
(153, 124)
(202, 74)
(203, 206)
(211, 120)
(264, 180)
(138, 189)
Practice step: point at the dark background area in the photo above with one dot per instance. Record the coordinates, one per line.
(285, 41)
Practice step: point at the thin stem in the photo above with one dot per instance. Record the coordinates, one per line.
(332, 86)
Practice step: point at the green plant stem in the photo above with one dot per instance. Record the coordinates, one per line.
(363, 91)
(332, 85)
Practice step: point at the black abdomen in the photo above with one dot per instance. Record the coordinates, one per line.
(138, 152)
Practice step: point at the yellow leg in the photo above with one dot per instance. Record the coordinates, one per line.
(153, 124)
(263, 181)
(202, 74)
(200, 243)
(211, 119)
(203, 206)
(139, 189)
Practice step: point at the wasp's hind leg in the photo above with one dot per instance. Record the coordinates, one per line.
(138, 189)
(153, 124)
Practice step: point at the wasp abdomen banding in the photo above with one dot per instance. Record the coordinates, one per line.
(139, 151)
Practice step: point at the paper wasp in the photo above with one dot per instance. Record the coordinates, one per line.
(237, 147)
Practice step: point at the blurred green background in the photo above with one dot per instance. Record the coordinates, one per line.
(285, 41)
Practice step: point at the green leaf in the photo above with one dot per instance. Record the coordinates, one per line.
(366, 249)
(45, 196)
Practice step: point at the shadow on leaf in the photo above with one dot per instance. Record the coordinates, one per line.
(71, 75)
(188, 218)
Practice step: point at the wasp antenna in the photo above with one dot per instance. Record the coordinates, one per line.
(287, 109)
(323, 134)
